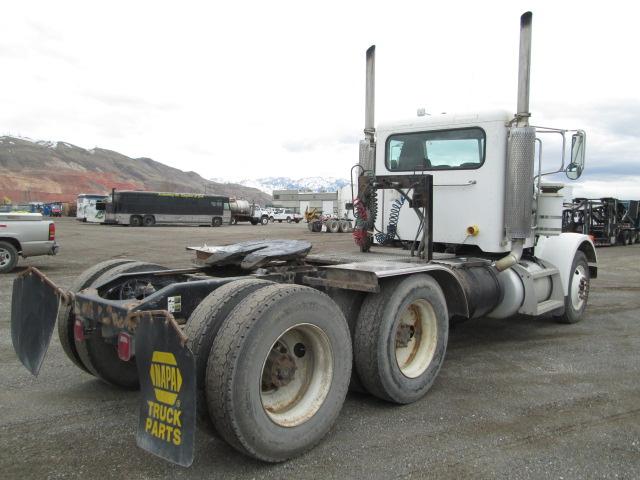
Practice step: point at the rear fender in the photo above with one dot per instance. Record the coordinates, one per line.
(561, 249)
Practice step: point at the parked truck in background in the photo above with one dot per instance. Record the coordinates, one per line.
(261, 340)
(25, 235)
(245, 211)
(285, 215)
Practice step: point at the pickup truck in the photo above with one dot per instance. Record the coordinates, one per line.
(285, 214)
(25, 235)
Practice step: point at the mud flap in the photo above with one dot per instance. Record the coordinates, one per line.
(167, 373)
(34, 308)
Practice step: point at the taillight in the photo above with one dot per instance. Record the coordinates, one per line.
(125, 350)
(78, 330)
(52, 231)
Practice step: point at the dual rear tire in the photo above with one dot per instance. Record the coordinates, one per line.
(400, 338)
(94, 354)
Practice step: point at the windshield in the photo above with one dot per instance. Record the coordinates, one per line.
(458, 149)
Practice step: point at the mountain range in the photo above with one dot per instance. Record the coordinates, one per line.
(306, 184)
(33, 170)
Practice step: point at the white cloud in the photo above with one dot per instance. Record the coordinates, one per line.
(277, 88)
(626, 188)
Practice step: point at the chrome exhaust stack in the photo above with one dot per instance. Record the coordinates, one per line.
(524, 70)
(518, 205)
(368, 145)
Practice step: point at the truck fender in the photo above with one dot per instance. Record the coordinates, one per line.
(13, 241)
(559, 250)
(453, 290)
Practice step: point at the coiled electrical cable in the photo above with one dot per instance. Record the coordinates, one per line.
(392, 226)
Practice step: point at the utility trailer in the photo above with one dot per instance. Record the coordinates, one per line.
(261, 340)
(608, 221)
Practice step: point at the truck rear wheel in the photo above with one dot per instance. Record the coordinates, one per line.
(216, 222)
(66, 318)
(401, 338)
(575, 303)
(149, 221)
(278, 372)
(8, 257)
(202, 328)
(135, 221)
(350, 302)
(101, 357)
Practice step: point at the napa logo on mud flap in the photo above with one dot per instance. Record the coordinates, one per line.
(164, 417)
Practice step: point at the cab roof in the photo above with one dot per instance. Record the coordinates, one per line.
(442, 120)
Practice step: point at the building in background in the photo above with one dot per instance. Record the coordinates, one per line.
(331, 203)
(299, 201)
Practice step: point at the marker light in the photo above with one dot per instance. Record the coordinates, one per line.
(124, 346)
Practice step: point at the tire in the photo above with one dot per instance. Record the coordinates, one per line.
(264, 220)
(216, 222)
(317, 226)
(310, 226)
(625, 238)
(377, 355)
(135, 221)
(236, 393)
(100, 357)
(350, 303)
(66, 318)
(148, 221)
(574, 305)
(345, 226)
(333, 226)
(272, 220)
(297, 220)
(289, 220)
(202, 328)
(8, 257)
(234, 221)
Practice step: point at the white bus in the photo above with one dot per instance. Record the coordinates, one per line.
(87, 211)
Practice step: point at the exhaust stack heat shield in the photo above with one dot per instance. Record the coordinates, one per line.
(519, 184)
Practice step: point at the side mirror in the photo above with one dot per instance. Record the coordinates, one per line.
(578, 147)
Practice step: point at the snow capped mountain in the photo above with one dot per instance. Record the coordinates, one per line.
(306, 184)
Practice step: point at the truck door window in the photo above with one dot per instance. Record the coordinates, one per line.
(458, 149)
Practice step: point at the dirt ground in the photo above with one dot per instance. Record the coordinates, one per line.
(516, 398)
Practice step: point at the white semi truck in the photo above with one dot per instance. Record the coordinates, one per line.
(261, 340)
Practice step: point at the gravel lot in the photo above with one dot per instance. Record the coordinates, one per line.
(516, 398)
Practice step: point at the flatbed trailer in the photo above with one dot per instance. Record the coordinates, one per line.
(261, 340)
(608, 221)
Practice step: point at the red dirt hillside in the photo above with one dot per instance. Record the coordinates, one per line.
(59, 171)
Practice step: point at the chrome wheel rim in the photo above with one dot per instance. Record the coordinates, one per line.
(579, 287)
(296, 375)
(5, 257)
(416, 338)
